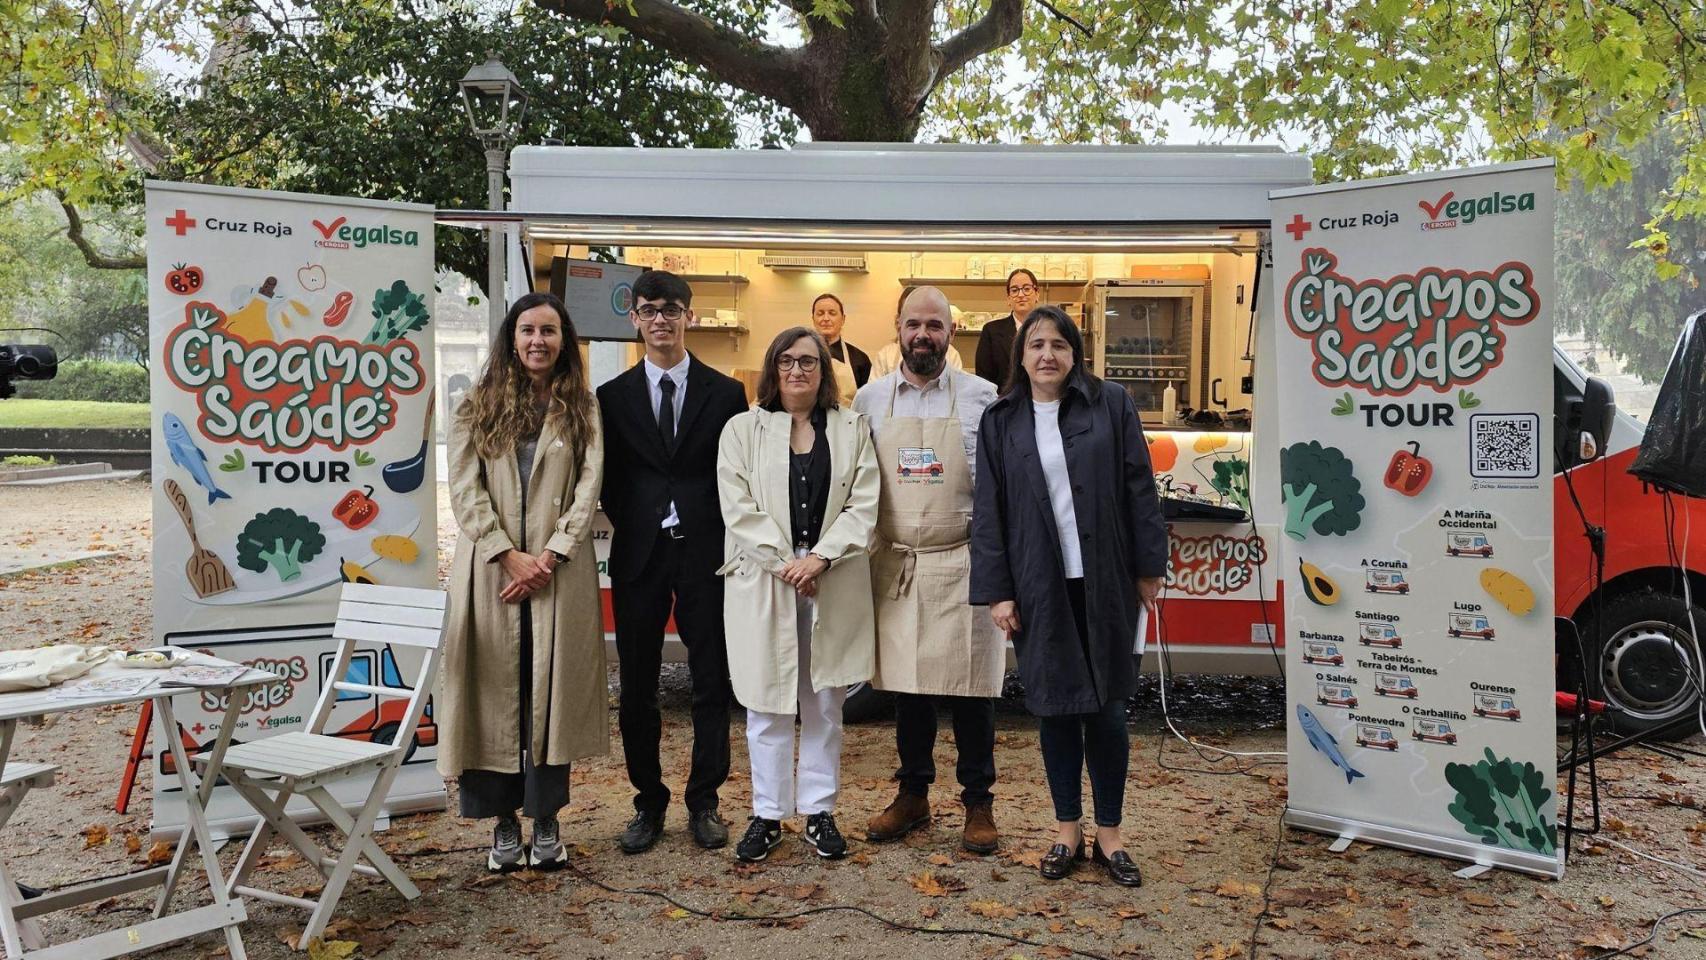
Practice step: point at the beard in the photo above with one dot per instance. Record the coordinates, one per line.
(924, 358)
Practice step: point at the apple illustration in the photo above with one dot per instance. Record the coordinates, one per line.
(312, 277)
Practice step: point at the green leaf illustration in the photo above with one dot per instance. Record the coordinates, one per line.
(1344, 406)
(363, 458)
(233, 462)
(1500, 801)
(1467, 400)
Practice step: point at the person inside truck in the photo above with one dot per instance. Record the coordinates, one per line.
(995, 342)
(934, 649)
(523, 685)
(888, 359)
(851, 366)
(1065, 580)
(797, 480)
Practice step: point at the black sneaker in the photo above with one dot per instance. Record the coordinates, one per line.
(762, 836)
(708, 829)
(547, 852)
(642, 833)
(824, 837)
(507, 852)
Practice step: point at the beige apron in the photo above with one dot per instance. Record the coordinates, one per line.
(845, 381)
(929, 638)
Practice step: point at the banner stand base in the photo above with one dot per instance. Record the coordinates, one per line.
(1473, 870)
(1342, 844)
(1478, 854)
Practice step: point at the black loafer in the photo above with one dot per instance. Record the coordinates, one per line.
(1060, 859)
(642, 833)
(708, 829)
(1121, 868)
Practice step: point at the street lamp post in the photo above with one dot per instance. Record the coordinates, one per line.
(495, 102)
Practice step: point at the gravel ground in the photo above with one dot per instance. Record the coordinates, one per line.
(1205, 836)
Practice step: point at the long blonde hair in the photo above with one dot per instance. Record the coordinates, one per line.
(501, 407)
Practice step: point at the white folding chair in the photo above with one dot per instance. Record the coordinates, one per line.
(267, 773)
(16, 780)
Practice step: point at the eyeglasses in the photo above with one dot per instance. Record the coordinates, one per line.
(786, 362)
(669, 311)
(1022, 288)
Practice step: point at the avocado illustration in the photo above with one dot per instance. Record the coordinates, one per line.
(1319, 587)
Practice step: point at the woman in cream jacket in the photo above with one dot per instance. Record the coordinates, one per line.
(797, 477)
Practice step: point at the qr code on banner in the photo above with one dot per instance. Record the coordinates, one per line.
(1504, 445)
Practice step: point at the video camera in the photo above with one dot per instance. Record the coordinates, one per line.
(24, 361)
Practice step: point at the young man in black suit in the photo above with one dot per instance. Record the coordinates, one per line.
(662, 421)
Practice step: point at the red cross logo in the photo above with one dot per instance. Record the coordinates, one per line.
(1297, 227)
(197, 729)
(180, 222)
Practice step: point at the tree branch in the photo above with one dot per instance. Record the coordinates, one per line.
(731, 56)
(1051, 8)
(92, 256)
(998, 27)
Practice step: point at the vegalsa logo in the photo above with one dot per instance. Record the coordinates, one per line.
(1448, 211)
(339, 235)
(1437, 328)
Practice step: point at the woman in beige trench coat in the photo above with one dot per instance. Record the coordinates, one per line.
(797, 477)
(523, 688)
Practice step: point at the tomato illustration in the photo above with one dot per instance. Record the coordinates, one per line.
(184, 280)
(1163, 452)
(1409, 471)
(356, 509)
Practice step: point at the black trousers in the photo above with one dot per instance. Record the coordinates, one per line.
(1098, 741)
(974, 736)
(538, 791)
(642, 607)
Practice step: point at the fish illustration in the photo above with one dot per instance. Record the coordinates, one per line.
(1323, 741)
(189, 456)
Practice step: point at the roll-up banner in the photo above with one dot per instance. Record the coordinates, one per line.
(291, 346)
(1415, 434)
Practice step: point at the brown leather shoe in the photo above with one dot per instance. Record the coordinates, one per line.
(980, 835)
(906, 814)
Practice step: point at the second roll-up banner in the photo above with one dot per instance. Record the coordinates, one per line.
(1414, 331)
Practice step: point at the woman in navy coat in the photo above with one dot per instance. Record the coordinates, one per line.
(1067, 540)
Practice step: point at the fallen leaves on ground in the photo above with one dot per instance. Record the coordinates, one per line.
(992, 909)
(331, 949)
(94, 835)
(931, 885)
(1233, 889)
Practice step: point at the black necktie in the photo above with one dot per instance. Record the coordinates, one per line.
(666, 412)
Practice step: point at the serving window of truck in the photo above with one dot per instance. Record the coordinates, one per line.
(1152, 251)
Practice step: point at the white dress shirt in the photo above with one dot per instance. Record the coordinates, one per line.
(654, 399)
(1051, 456)
(971, 394)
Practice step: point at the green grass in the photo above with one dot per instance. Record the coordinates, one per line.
(72, 413)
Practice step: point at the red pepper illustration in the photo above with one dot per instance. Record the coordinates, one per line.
(356, 509)
(1409, 471)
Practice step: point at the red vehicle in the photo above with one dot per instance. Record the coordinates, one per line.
(1642, 653)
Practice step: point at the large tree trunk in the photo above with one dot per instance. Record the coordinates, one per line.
(868, 79)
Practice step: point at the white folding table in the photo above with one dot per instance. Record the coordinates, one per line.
(19, 931)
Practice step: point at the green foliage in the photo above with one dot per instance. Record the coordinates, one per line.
(26, 460)
(363, 458)
(233, 462)
(1232, 479)
(397, 312)
(1467, 399)
(1344, 406)
(281, 539)
(44, 282)
(102, 380)
(73, 414)
(1320, 491)
(1499, 802)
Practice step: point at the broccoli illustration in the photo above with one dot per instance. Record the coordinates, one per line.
(1232, 479)
(282, 539)
(1320, 491)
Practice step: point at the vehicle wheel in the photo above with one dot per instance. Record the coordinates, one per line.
(866, 704)
(387, 733)
(1642, 664)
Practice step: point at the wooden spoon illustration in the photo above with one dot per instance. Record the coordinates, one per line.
(206, 572)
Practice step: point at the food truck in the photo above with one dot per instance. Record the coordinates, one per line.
(1394, 685)
(1498, 705)
(1378, 633)
(1380, 738)
(1469, 625)
(1429, 730)
(1322, 653)
(1334, 695)
(1467, 545)
(1159, 254)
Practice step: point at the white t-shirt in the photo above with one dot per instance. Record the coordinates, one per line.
(1052, 456)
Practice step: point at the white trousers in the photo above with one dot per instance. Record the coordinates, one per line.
(776, 792)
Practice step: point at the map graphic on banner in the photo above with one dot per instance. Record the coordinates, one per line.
(291, 341)
(1414, 331)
